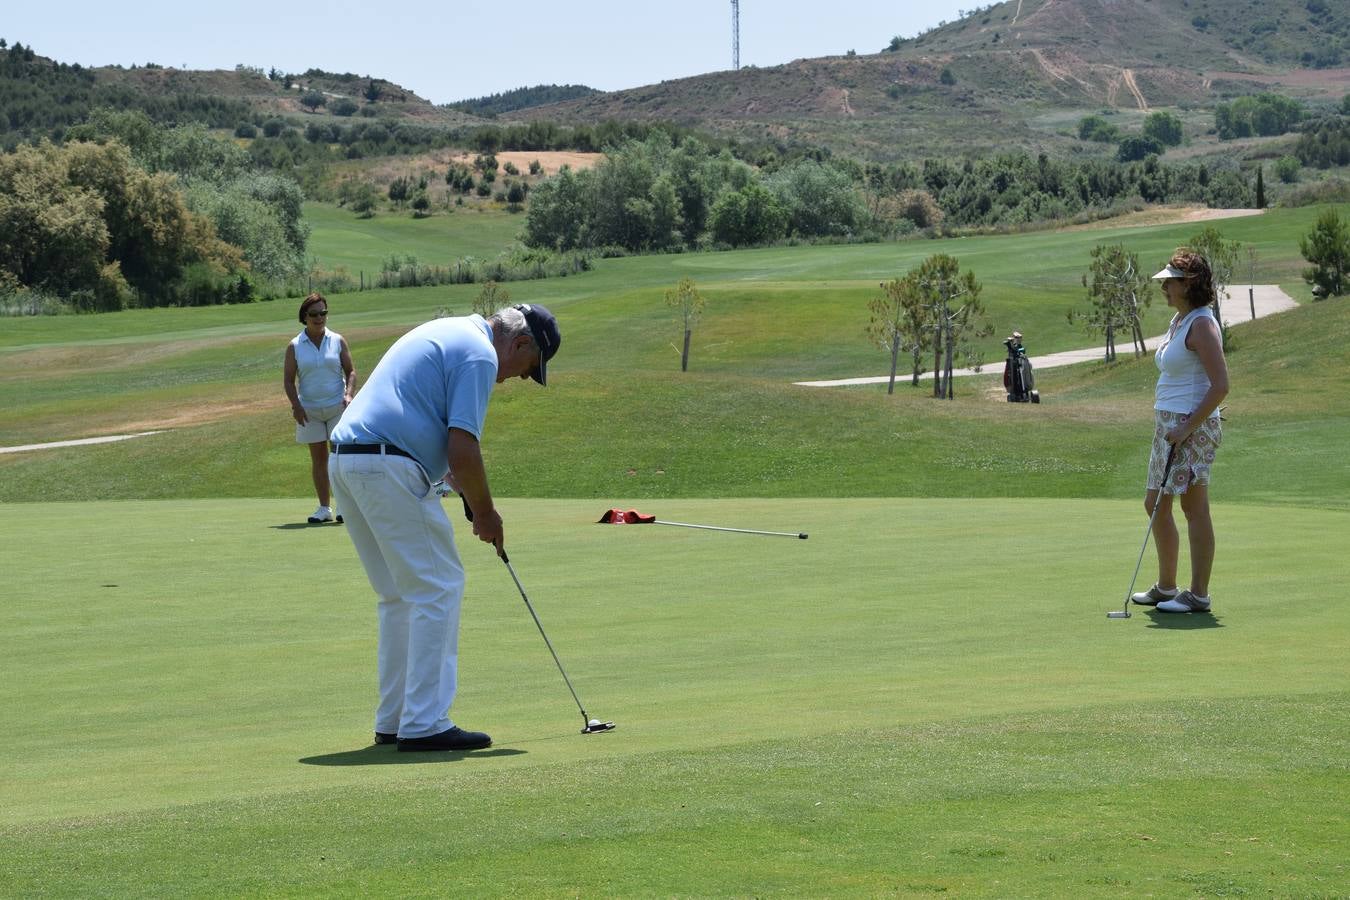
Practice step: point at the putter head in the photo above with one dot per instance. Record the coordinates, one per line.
(595, 726)
(1118, 614)
(801, 536)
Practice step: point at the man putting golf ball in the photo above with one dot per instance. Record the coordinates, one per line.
(421, 412)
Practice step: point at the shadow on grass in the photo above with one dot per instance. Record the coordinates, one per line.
(385, 755)
(1183, 621)
(292, 526)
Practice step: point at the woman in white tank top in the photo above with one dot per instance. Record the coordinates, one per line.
(1192, 382)
(319, 379)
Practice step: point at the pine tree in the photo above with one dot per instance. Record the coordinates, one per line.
(1260, 188)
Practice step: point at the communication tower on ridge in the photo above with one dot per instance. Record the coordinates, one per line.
(735, 34)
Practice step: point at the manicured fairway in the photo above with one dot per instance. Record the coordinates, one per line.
(924, 696)
(339, 238)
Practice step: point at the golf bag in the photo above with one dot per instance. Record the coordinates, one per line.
(1018, 379)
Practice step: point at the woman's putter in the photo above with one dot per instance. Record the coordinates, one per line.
(1124, 613)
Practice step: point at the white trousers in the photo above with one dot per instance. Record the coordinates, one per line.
(406, 544)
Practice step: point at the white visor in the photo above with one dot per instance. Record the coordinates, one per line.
(1170, 272)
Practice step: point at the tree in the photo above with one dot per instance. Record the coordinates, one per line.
(1163, 127)
(1095, 128)
(344, 106)
(1135, 148)
(1327, 247)
(420, 204)
(361, 198)
(491, 298)
(1260, 187)
(373, 91)
(1286, 169)
(1222, 257)
(312, 100)
(1116, 292)
(939, 282)
(902, 320)
(686, 298)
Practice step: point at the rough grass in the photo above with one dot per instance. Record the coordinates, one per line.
(620, 417)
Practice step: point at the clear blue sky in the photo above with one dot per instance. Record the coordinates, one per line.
(448, 51)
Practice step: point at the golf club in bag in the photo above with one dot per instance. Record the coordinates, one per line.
(618, 516)
(1018, 379)
(1124, 612)
(591, 726)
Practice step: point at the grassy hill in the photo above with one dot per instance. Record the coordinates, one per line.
(1013, 69)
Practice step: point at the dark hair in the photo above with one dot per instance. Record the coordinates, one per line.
(1199, 279)
(309, 301)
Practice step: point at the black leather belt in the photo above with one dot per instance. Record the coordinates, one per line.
(387, 449)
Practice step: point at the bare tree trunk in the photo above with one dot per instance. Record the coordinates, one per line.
(918, 364)
(937, 367)
(684, 357)
(895, 361)
(1110, 342)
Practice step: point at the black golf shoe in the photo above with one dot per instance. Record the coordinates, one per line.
(385, 737)
(453, 738)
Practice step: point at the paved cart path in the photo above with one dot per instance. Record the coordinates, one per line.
(1268, 299)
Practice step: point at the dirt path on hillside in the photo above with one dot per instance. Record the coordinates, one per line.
(1128, 75)
(1268, 299)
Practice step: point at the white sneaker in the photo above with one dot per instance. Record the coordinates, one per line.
(1185, 602)
(1154, 595)
(322, 514)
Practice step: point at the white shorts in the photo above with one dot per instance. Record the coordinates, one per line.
(319, 428)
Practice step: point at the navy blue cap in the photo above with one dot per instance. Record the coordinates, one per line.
(544, 328)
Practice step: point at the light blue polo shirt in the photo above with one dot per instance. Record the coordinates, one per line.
(436, 377)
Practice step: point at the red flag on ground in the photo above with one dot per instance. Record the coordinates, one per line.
(625, 517)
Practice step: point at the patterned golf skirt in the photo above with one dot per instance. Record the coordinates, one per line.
(1193, 458)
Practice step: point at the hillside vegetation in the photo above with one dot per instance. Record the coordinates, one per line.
(1006, 68)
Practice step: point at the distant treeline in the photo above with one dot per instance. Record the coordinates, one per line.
(521, 98)
(39, 98)
(656, 195)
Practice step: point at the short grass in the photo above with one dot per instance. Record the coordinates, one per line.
(339, 239)
(924, 697)
(897, 705)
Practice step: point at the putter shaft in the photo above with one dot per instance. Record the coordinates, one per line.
(1157, 502)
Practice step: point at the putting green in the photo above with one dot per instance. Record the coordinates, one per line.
(178, 652)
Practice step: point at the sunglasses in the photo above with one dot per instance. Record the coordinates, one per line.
(317, 314)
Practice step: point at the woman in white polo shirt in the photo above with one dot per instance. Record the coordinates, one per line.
(1192, 382)
(319, 379)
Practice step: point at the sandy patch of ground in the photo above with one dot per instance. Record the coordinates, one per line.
(550, 160)
(1171, 215)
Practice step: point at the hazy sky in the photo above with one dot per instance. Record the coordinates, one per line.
(450, 51)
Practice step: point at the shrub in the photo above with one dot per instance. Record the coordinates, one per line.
(245, 130)
(344, 107)
(1095, 128)
(1163, 127)
(273, 127)
(1135, 148)
(1286, 169)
